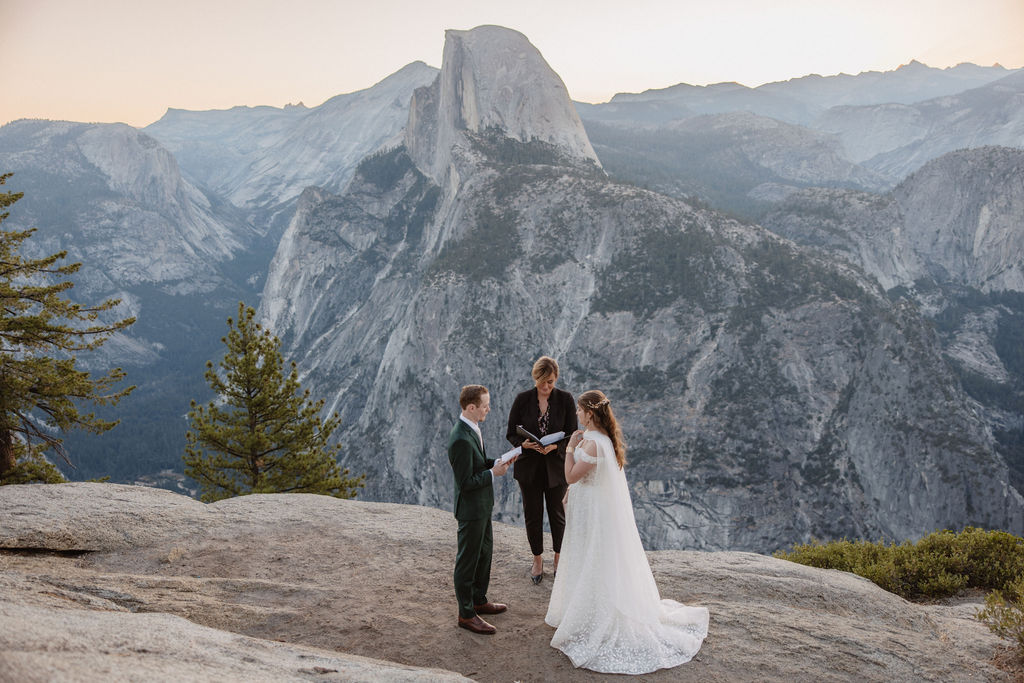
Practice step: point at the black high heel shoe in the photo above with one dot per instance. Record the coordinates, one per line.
(537, 578)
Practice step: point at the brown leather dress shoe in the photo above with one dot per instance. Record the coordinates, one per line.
(477, 625)
(490, 608)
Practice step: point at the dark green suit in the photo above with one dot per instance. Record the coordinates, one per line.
(474, 500)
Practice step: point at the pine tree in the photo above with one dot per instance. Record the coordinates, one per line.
(40, 383)
(260, 435)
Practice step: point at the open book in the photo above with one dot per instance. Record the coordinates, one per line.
(543, 441)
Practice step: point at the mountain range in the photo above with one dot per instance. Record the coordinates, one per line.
(742, 148)
(261, 158)
(829, 359)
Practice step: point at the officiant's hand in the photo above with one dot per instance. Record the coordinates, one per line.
(549, 448)
(533, 446)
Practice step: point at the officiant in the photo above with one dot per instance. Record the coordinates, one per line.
(540, 470)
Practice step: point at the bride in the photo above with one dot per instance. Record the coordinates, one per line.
(604, 602)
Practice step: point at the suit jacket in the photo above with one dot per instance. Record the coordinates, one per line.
(474, 487)
(562, 418)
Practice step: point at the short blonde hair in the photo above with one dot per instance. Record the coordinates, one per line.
(545, 367)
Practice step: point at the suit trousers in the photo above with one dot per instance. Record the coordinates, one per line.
(533, 515)
(473, 564)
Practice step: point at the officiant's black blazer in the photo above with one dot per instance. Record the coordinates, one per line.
(531, 466)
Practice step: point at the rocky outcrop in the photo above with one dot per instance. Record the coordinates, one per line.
(492, 78)
(138, 583)
(768, 395)
(77, 617)
(54, 643)
(962, 214)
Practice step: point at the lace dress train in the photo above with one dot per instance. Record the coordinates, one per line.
(605, 604)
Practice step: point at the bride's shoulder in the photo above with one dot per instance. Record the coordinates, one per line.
(590, 450)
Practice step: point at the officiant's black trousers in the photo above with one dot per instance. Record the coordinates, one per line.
(473, 564)
(534, 498)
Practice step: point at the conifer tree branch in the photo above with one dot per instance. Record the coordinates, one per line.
(272, 438)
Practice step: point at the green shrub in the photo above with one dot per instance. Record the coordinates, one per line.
(940, 564)
(1005, 614)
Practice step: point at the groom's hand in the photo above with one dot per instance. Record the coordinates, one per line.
(500, 468)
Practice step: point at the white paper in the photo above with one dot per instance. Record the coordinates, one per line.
(544, 441)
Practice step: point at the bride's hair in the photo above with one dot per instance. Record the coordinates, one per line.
(598, 405)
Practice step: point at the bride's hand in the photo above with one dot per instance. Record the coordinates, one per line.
(575, 439)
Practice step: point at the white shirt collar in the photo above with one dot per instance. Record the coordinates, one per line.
(475, 427)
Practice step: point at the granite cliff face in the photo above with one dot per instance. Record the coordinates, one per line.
(957, 220)
(768, 395)
(112, 195)
(949, 239)
(492, 78)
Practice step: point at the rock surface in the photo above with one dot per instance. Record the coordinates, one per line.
(129, 583)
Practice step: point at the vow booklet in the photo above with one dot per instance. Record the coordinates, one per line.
(544, 441)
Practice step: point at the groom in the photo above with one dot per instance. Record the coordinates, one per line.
(474, 499)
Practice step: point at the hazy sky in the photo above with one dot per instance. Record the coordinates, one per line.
(129, 60)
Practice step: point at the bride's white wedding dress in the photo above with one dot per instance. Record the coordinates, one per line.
(605, 603)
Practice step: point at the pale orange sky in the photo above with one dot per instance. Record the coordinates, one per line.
(129, 60)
